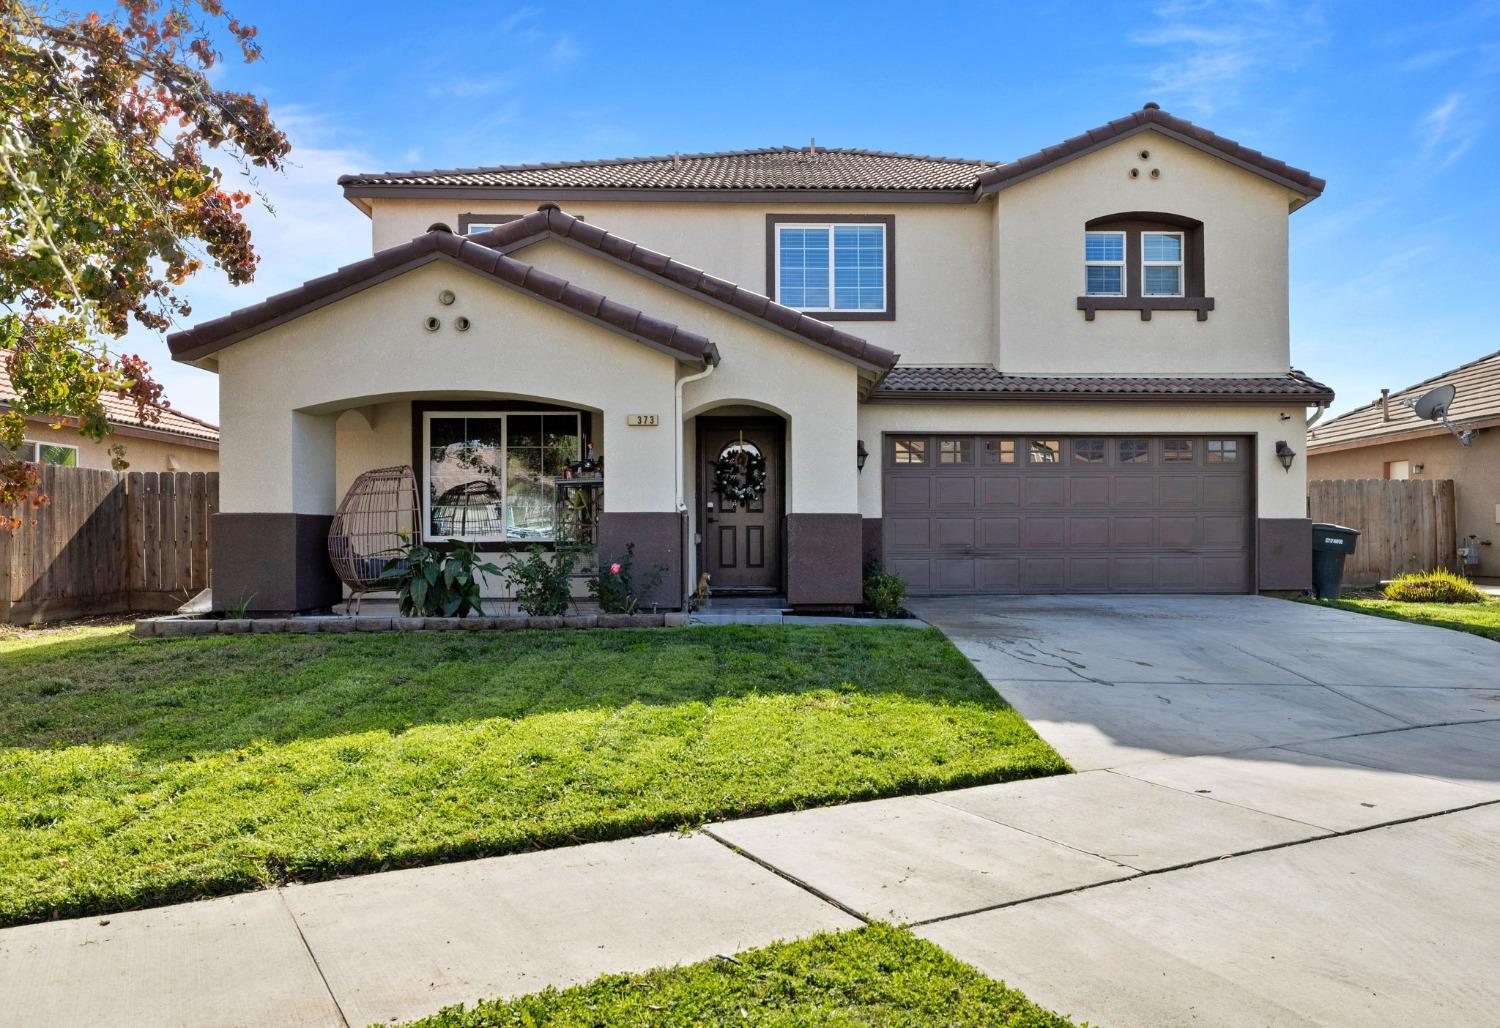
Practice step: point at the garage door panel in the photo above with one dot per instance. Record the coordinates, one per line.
(1102, 525)
(909, 533)
(999, 532)
(954, 531)
(953, 492)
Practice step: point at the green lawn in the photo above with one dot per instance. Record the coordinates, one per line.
(144, 771)
(1477, 618)
(877, 976)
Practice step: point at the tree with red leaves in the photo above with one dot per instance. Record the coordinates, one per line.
(108, 202)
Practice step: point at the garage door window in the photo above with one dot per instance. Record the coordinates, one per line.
(1045, 451)
(1177, 451)
(954, 451)
(910, 451)
(999, 451)
(1088, 451)
(1222, 451)
(1135, 451)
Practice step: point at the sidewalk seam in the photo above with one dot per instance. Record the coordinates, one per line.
(343, 1017)
(779, 873)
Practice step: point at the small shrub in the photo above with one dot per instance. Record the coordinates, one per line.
(1437, 586)
(615, 588)
(884, 592)
(431, 583)
(541, 583)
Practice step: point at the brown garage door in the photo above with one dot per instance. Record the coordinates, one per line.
(1068, 514)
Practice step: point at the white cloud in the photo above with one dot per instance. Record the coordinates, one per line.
(1448, 130)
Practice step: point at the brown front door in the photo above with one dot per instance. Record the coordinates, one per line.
(741, 539)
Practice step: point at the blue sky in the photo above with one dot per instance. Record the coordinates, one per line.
(1393, 269)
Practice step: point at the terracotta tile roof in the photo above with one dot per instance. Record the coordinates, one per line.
(550, 220)
(982, 382)
(772, 168)
(1477, 400)
(123, 413)
(210, 336)
(823, 168)
(1151, 116)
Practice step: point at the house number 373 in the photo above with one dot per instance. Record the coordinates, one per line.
(642, 420)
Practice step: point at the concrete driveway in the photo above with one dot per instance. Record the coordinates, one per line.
(1372, 746)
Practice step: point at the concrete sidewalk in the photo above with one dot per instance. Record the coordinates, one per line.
(1266, 833)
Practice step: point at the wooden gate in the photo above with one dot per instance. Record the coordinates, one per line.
(106, 542)
(1406, 525)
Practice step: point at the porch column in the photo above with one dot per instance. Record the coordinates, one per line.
(270, 537)
(824, 531)
(640, 497)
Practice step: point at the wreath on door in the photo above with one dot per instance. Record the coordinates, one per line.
(740, 473)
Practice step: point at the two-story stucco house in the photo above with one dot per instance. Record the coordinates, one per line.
(1066, 373)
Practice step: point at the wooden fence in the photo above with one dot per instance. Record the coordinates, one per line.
(1404, 525)
(107, 542)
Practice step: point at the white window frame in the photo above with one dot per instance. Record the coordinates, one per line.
(504, 416)
(1180, 264)
(885, 277)
(1087, 264)
(35, 455)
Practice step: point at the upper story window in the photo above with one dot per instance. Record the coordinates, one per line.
(835, 269)
(45, 453)
(1143, 262)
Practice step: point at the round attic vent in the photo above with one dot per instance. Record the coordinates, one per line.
(432, 324)
(461, 323)
(446, 297)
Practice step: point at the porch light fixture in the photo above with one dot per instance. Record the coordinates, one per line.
(860, 455)
(1285, 454)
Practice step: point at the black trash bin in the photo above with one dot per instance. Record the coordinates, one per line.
(1331, 544)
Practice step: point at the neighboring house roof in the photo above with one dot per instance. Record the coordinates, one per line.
(1151, 117)
(127, 420)
(983, 382)
(773, 168)
(211, 336)
(549, 221)
(1476, 404)
(849, 173)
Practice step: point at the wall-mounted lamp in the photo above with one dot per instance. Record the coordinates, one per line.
(1285, 454)
(860, 455)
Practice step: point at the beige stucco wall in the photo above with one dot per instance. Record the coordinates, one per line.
(282, 392)
(1475, 471)
(1280, 493)
(944, 264)
(1040, 226)
(141, 454)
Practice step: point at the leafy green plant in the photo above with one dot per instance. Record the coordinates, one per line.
(432, 583)
(1436, 586)
(541, 582)
(615, 588)
(884, 592)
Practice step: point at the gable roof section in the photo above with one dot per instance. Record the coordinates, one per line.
(838, 174)
(984, 383)
(549, 221)
(771, 169)
(127, 420)
(1476, 404)
(1152, 117)
(211, 336)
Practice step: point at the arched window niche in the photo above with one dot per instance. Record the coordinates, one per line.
(1143, 261)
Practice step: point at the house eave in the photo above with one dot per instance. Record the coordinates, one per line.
(418, 191)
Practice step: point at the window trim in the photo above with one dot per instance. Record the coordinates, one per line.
(1122, 263)
(773, 261)
(466, 222)
(1135, 225)
(36, 452)
(421, 415)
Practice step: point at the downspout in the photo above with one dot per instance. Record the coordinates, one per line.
(679, 474)
(1317, 415)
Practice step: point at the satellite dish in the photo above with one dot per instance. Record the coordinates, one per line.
(1433, 406)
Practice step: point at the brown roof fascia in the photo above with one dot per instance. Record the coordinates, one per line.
(211, 336)
(551, 221)
(163, 435)
(1052, 396)
(1151, 117)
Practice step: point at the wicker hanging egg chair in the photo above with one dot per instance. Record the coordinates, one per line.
(379, 513)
